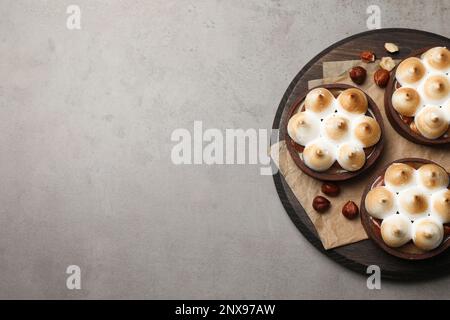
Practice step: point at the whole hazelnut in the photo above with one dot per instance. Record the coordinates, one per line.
(367, 56)
(350, 210)
(330, 189)
(321, 204)
(358, 74)
(381, 77)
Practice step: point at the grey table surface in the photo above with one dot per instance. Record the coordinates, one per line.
(86, 176)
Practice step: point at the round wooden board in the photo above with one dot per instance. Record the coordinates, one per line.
(360, 255)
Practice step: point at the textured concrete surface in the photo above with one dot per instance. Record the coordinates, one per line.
(85, 170)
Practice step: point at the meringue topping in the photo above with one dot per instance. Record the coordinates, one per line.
(433, 177)
(396, 230)
(328, 123)
(436, 87)
(431, 122)
(318, 155)
(303, 127)
(336, 127)
(367, 131)
(427, 233)
(440, 203)
(380, 202)
(319, 100)
(410, 71)
(398, 176)
(438, 58)
(406, 101)
(353, 101)
(413, 203)
(351, 157)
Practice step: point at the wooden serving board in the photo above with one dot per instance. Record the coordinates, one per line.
(360, 255)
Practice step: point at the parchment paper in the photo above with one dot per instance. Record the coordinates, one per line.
(333, 228)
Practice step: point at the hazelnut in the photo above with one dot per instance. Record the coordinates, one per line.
(358, 74)
(367, 56)
(350, 210)
(321, 204)
(381, 77)
(391, 47)
(330, 189)
(387, 63)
